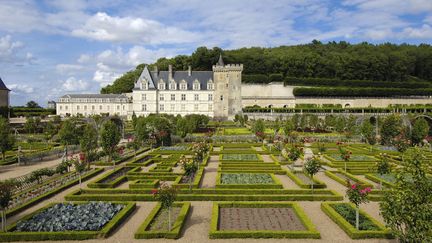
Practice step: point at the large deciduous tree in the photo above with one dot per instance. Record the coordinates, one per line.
(109, 138)
(68, 133)
(7, 140)
(391, 127)
(89, 142)
(420, 130)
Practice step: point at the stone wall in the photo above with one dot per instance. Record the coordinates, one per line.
(4, 98)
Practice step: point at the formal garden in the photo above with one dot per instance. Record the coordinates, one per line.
(193, 179)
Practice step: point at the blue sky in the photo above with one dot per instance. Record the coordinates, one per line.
(53, 47)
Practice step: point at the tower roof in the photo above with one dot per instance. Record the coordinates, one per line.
(220, 61)
(3, 86)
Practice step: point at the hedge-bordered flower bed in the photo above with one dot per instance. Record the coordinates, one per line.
(12, 235)
(276, 184)
(342, 181)
(215, 233)
(144, 183)
(317, 183)
(144, 231)
(351, 231)
(99, 183)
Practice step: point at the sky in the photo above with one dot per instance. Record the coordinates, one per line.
(49, 48)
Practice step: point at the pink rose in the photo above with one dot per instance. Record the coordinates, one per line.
(354, 186)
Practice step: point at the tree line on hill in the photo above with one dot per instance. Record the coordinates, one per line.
(334, 60)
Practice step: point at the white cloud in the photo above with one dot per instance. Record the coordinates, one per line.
(72, 84)
(20, 88)
(104, 27)
(68, 68)
(424, 32)
(105, 77)
(10, 51)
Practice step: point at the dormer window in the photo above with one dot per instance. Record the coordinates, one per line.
(210, 85)
(144, 84)
(173, 86)
(183, 85)
(196, 85)
(161, 86)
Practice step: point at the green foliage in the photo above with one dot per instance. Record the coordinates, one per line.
(39, 174)
(406, 207)
(420, 130)
(255, 78)
(312, 166)
(246, 178)
(362, 92)
(125, 83)
(6, 192)
(32, 104)
(368, 131)
(110, 137)
(349, 214)
(89, 141)
(383, 165)
(390, 128)
(258, 126)
(166, 195)
(154, 129)
(7, 140)
(69, 132)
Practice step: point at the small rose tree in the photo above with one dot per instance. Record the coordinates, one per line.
(80, 166)
(383, 166)
(166, 195)
(311, 167)
(345, 154)
(200, 150)
(190, 169)
(357, 196)
(6, 192)
(295, 152)
(134, 145)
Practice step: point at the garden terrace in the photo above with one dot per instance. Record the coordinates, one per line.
(247, 180)
(260, 220)
(155, 226)
(342, 177)
(113, 178)
(305, 181)
(27, 198)
(343, 214)
(85, 220)
(127, 157)
(240, 157)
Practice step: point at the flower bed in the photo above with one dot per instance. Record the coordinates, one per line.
(353, 158)
(173, 148)
(304, 181)
(76, 221)
(247, 180)
(156, 224)
(260, 220)
(343, 214)
(239, 157)
(342, 177)
(113, 178)
(144, 183)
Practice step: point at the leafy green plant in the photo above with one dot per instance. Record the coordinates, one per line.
(349, 215)
(190, 169)
(246, 178)
(166, 195)
(357, 196)
(383, 166)
(345, 154)
(312, 166)
(6, 192)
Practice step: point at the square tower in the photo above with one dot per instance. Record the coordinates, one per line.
(227, 98)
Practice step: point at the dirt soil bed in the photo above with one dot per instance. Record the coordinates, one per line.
(259, 219)
(160, 223)
(304, 178)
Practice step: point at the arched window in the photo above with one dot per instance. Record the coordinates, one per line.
(196, 85)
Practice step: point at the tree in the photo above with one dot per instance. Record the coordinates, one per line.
(345, 154)
(50, 130)
(288, 128)
(88, 142)
(166, 195)
(32, 104)
(258, 126)
(420, 130)
(6, 193)
(406, 208)
(80, 166)
(357, 196)
(110, 137)
(368, 132)
(383, 166)
(390, 128)
(182, 127)
(7, 140)
(134, 145)
(190, 168)
(30, 125)
(68, 133)
(312, 166)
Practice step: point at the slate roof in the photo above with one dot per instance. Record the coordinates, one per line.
(112, 96)
(154, 78)
(3, 86)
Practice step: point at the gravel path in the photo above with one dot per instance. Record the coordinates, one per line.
(210, 173)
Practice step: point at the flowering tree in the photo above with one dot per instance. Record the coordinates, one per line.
(166, 195)
(401, 143)
(345, 154)
(294, 152)
(6, 192)
(80, 166)
(357, 196)
(312, 166)
(383, 166)
(190, 169)
(134, 145)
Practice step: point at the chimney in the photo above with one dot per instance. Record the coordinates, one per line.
(189, 71)
(170, 73)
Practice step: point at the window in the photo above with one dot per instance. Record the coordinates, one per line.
(196, 86)
(161, 97)
(118, 107)
(210, 107)
(196, 107)
(172, 107)
(144, 85)
(93, 108)
(85, 107)
(183, 97)
(161, 86)
(144, 97)
(78, 107)
(226, 85)
(172, 96)
(100, 107)
(183, 107)
(196, 97)
(183, 86)
(144, 107)
(172, 85)
(221, 97)
(210, 86)
(161, 107)
(108, 107)
(60, 107)
(210, 97)
(123, 107)
(66, 107)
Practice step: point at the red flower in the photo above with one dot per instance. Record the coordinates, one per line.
(154, 191)
(367, 189)
(353, 186)
(82, 156)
